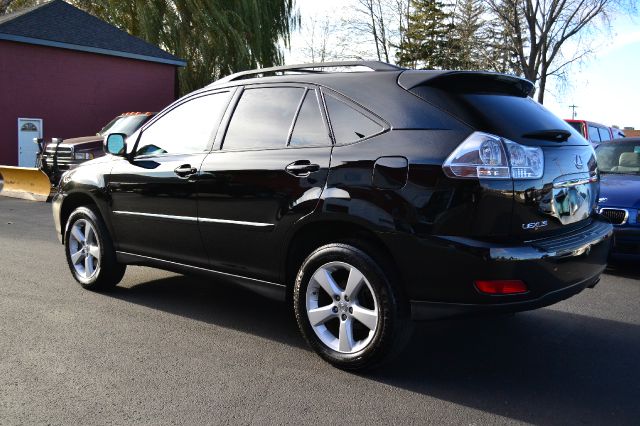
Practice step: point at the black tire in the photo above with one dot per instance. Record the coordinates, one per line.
(393, 328)
(108, 272)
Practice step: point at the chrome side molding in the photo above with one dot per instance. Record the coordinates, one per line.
(195, 219)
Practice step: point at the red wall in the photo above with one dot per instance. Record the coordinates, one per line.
(75, 93)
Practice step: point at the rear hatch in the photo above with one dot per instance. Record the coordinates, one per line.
(565, 197)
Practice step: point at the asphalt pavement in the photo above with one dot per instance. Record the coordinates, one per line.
(170, 349)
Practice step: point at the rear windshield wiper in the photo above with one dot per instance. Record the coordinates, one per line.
(554, 135)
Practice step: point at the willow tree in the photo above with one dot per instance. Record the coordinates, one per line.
(215, 37)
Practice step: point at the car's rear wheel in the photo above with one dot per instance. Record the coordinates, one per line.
(348, 308)
(89, 250)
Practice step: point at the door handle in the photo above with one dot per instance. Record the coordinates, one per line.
(185, 170)
(302, 168)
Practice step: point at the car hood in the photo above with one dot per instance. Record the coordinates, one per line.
(620, 190)
(81, 140)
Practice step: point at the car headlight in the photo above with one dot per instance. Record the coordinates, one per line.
(83, 156)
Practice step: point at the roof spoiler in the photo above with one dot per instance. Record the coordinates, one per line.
(467, 82)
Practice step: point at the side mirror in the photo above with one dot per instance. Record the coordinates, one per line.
(115, 144)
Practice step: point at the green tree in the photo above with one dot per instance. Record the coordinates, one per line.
(215, 37)
(427, 41)
(10, 6)
(468, 38)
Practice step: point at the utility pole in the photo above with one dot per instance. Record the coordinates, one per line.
(573, 111)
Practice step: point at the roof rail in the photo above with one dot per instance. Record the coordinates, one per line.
(311, 68)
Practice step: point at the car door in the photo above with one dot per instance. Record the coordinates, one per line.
(269, 172)
(154, 200)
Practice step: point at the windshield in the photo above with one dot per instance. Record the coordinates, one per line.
(125, 124)
(619, 158)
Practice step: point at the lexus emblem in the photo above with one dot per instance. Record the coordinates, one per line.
(578, 162)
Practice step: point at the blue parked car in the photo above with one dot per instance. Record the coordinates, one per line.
(619, 165)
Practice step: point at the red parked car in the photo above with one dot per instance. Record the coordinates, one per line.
(593, 132)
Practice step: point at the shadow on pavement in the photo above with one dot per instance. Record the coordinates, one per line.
(216, 303)
(544, 366)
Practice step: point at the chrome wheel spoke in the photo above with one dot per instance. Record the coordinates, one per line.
(76, 257)
(325, 280)
(88, 233)
(345, 337)
(95, 252)
(77, 234)
(368, 317)
(354, 282)
(321, 315)
(88, 266)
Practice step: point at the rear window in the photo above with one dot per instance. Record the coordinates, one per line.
(577, 125)
(499, 114)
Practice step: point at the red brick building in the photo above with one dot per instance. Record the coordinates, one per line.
(65, 73)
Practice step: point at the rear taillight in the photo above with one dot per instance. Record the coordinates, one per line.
(487, 156)
(501, 287)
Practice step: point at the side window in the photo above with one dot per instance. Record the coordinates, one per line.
(263, 118)
(593, 134)
(188, 128)
(309, 129)
(604, 134)
(348, 124)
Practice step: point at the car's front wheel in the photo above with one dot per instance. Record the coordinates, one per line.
(348, 308)
(90, 253)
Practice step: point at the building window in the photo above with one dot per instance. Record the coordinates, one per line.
(28, 127)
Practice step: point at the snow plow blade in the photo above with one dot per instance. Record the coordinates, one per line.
(24, 182)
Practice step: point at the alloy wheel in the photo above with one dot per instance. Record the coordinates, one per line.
(84, 249)
(342, 307)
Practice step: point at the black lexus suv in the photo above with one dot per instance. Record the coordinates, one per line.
(365, 195)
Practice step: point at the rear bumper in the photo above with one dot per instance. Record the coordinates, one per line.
(421, 310)
(553, 269)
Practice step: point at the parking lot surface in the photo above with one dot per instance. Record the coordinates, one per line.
(170, 349)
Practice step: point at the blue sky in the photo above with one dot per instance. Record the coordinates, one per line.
(605, 86)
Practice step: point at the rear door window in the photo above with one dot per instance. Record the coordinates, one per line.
(594, 135)
(310, 129)
(348, 124)
(263, 118)
(604, 134)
